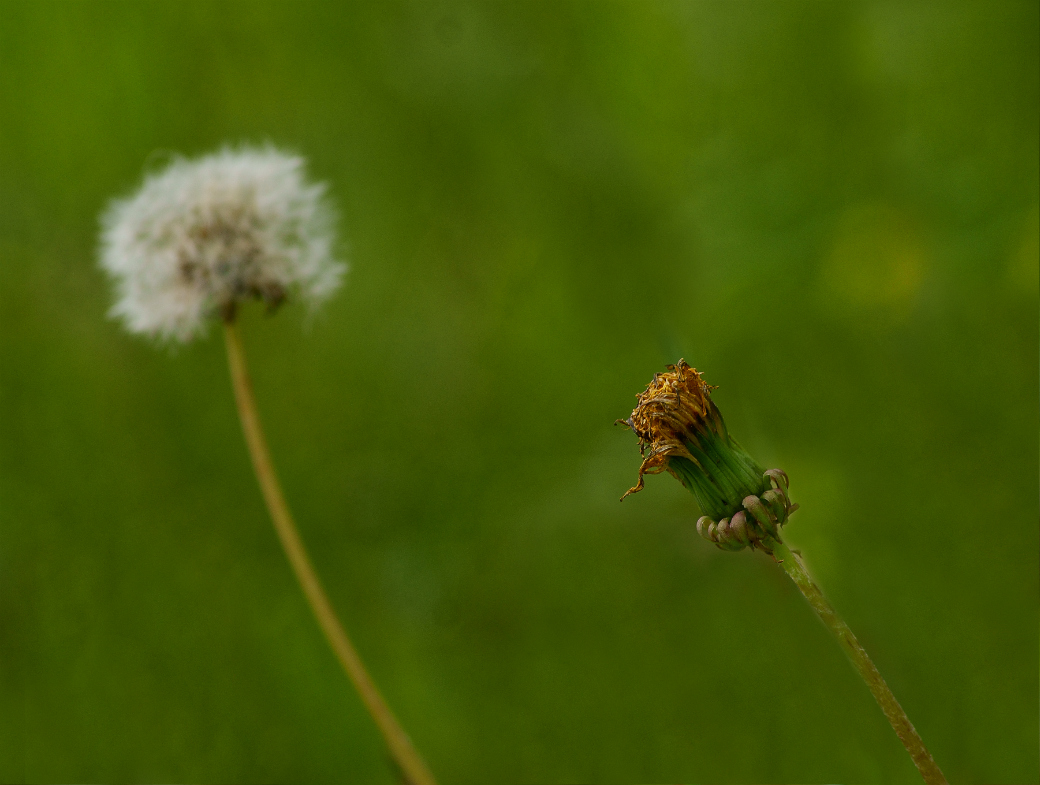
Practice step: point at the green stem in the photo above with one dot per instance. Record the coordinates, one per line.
(404, 754)
(861, 661)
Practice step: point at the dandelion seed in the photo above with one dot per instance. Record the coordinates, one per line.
(204, 235)
(195, 241)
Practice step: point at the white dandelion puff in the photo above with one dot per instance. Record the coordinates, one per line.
(203, 235)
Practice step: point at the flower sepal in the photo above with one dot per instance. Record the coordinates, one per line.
(758, 524)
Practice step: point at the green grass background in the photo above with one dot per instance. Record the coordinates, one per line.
(829, 208)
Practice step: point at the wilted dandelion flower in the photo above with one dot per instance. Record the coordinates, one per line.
(681, 431)
(203, 235)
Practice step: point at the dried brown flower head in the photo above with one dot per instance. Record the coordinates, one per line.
(674, 403)
(681, 431)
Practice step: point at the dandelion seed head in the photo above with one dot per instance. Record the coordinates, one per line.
(203, 235)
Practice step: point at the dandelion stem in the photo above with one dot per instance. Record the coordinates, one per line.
(411, 764)
(795, 569)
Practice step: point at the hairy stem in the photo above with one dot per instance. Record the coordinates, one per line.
(411, 764)
(861, 661)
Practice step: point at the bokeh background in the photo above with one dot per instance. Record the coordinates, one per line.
(829, 208)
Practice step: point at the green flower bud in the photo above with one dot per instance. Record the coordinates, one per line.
(681, 431)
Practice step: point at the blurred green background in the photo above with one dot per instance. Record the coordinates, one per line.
(829, 208)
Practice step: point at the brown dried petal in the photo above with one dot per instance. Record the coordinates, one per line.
(674, 403)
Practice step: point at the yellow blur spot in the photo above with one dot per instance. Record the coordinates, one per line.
(876, 263)
(1023, 272)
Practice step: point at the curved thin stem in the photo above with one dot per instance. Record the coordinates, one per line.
(407, 758)
(861, 661)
